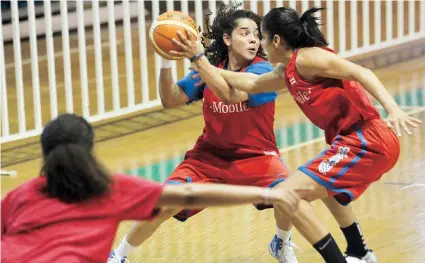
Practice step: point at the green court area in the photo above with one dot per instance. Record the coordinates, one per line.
(286, 136)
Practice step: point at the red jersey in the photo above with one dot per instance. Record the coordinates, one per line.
(242, 129)
(333, 105)
(40, 229)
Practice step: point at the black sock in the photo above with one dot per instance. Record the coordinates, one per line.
(356, 244)
(329, 250)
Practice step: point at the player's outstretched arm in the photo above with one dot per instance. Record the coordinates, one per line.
(316, 62)
(195, 195)
(252, 83)
(218, 84)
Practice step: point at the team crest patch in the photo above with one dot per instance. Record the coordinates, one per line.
(326, 165)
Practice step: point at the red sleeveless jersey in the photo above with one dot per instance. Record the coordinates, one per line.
(333, 105)
(243, 129)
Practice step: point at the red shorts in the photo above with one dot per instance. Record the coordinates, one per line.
(201, 166)
(354, 161)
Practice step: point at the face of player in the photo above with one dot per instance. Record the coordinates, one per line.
(271, 46)
(244, 41)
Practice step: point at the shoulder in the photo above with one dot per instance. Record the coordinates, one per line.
(311, 57)
(259, 67)
(28, 190)
(305, 56)
(30, 185)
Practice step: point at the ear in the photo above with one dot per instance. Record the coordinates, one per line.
(276, 41)
(226, 39)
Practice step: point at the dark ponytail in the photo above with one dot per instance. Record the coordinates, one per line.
(297, 32)
(72, 172)
(311, 34)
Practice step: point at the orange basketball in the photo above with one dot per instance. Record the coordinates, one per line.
(164, 29)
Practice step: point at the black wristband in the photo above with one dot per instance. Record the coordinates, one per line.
(196, 57)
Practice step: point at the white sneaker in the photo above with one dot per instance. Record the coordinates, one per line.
(114, 258)
(370, 257)
(282, 251)
(350, 259)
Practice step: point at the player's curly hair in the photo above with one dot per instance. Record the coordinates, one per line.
(225, 22)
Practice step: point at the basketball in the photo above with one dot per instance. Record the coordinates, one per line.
(165, 28)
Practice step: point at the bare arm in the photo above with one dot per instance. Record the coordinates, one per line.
(252, 83)
(204, 195)
(215, 82)
(170, 93)
(218, 84)
(316, 62)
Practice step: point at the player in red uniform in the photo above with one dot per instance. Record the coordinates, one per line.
(238, 144)
(344, 215)
(71, 213)
(330, 92)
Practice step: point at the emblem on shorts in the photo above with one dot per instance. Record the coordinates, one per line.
(326, 165)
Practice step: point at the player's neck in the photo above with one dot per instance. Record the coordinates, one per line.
(236, 64)
(285, 57)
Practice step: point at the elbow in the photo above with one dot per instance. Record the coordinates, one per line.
(365, 72)
(362, 75)
(167, 103)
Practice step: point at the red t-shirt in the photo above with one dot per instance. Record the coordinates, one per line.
(44, 230)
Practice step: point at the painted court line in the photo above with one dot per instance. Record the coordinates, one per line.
(8, 173)
(282, 150)
(413, 185)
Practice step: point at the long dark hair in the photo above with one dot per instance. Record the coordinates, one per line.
(73, 173)
(297, 31)
(225, 22)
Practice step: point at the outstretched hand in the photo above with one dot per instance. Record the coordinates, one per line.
(399, 120)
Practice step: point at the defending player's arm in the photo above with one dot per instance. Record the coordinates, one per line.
(204, 195)
(316, 62)
(217, 84)
(253, 83)
(186, 90)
